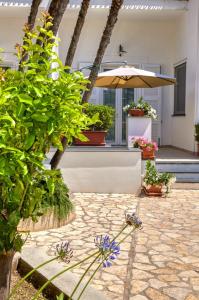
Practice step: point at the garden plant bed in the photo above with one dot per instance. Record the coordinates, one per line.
(26, 291)
(47, 221)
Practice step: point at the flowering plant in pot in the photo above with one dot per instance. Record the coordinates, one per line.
(96, 133)
(154, 182)
(140, 109)
(197, 137)
(148, 148)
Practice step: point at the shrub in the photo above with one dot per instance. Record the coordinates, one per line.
(105, 115)
(197, 132)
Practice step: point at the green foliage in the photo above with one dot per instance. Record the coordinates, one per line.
(105, 115)
(35, 111)
(56, 194)
(197, 132)
(152, 177)
(149, 111)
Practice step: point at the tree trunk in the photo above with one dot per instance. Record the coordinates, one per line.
(58, 155)
(56, 10)
(30, 24)
(77, 32)
(105, 40)
(5, 274)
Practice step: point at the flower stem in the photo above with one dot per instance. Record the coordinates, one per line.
(20, 282)
(89, 267)
(60, 273)
(102, 263)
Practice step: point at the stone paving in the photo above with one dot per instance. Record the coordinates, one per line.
(160, 262)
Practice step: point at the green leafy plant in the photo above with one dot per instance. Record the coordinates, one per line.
(197, 132)
(38, 104)
(152, 177)
(149, 111)
(105, 115)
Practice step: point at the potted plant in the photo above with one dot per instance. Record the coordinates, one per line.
(148, 148)
(154, 182)
(197, 137)
(96, 133)
(140, 109)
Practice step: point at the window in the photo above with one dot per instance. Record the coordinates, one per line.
(180, 90)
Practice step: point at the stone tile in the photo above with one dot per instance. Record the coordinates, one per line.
(155, 294)
(138, 286)
(177, 293)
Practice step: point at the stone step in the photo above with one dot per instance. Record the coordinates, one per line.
(177, 168)
(184, 172)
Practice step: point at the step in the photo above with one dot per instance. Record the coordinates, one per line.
(187, 177)
(177, 168)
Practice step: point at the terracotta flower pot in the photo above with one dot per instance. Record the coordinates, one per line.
(96, 138)
(153, 190)
(148, 154)
(135, 112)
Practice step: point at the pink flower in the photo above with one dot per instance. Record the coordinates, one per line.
(148, 148)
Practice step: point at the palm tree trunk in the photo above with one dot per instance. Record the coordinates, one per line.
(56, 10)
(77, 32)
(105, 40)
(30, 24)
(5, 274)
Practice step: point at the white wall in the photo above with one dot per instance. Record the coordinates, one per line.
(186, 45)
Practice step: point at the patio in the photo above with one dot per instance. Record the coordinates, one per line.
(174, 154)
(160, 262)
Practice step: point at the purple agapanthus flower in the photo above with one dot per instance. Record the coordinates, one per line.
(133, 220)
(109, 249)
(64, 251)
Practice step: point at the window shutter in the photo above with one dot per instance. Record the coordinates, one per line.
(180, 89)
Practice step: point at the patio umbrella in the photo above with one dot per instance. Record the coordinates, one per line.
(130, 77)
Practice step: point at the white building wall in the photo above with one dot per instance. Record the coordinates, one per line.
(186, 45)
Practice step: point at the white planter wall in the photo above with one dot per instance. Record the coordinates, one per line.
(102, 170)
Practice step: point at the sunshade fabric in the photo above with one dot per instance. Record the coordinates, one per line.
(130, 77)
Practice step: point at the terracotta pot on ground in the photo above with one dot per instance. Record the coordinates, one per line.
(153, 190)
(96, 138)
(148, 154)
(135, 112)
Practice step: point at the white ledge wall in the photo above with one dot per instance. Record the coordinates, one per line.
(101, 170)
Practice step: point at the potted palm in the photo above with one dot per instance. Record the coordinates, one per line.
(154, 182)
(96, 133)
(197, 137)
(140, 109)
(148, 148)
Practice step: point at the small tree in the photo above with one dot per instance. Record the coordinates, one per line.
(105, 40)
(35, 111)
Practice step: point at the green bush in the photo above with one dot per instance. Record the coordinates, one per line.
(197, 133)
(105, 115)
(35, 110)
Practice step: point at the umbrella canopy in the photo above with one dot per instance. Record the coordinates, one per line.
(130, 77)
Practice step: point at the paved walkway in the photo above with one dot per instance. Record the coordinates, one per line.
(161, 262)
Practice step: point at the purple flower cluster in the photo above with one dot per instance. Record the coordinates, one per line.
(64, 251)
(133, 220)
(109, 249)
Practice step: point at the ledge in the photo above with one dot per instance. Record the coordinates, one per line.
(101, 149)
(33, 256)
